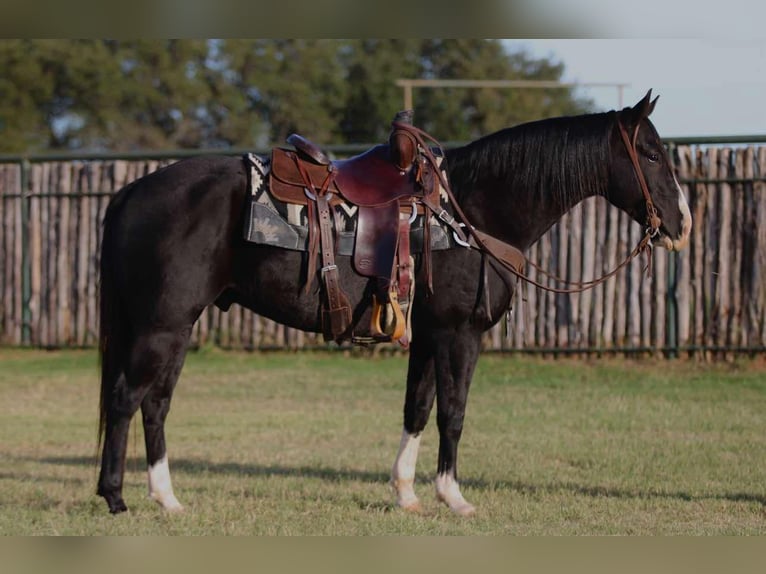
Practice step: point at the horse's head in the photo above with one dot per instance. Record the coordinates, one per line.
(642, 181)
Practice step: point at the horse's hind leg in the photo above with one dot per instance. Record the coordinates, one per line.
(153, 358)
(154, 410)
(418, 402)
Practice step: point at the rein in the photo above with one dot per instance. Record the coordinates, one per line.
(510, 257)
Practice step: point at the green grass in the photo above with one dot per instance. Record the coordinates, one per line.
(303, 444)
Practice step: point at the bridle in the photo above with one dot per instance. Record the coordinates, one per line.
(653, 219)
(510, 257)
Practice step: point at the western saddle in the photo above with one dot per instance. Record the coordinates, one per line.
(390, 184)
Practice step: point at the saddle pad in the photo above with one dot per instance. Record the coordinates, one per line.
(273, 222)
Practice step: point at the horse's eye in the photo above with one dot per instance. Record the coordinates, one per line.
(653, 157)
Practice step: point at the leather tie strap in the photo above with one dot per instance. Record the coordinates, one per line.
(337, 316)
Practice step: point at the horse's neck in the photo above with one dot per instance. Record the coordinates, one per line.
(516, 214)
(516, 183)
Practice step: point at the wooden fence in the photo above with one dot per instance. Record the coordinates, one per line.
(710, 298)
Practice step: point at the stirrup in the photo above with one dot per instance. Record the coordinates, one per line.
(393, 330)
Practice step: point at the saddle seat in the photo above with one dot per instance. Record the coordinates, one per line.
(369, 179)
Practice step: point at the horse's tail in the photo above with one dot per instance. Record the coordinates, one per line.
(111, 322)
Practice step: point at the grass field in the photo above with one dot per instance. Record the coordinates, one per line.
(303, 443)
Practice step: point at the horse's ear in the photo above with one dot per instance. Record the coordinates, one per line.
(643, 108)
(654, 103)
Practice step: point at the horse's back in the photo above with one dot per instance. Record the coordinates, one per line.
(197, 176)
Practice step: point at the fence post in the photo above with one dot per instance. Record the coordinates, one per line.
(26, 271)
(671, 308)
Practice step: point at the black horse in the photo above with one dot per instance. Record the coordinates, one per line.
(173, 245)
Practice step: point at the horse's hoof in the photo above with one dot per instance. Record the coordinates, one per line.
(176, 508)
(412, 507)
(169, 503)
(464, 510)
(113, 500)
(117, 507)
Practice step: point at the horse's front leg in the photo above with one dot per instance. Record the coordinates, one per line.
(456, 353)
(419, 400)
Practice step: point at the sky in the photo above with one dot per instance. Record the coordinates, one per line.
(707, 87)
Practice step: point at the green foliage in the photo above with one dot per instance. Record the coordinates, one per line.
(162, 94)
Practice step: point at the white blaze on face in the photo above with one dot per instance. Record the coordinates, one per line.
(403, 472)
(448, 491)
(160, 487)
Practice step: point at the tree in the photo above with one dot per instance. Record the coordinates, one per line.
(164, 94)
(463, 114)
(291, 85)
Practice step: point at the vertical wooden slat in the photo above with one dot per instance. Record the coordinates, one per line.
(94, 186)
(83, 257)
(16, 297)
(257, 332)
(698, 247)
(562, 301)
(63, 267)
(749, 227)
(590, 226)
(611, 284)
(549, 302)
(656, 338)
(72, 253)
(644, 295)
(599, 300)
(4, 256)
(528, 300)
(7, 261)
(53, 250)
(621, 290)
(574, 249)
(235, 323)
(636, 278)
(543, 252)
(724, 252)
(760, 249)
(45, 240)
(684, 281)
(737, 230)
(710, 269)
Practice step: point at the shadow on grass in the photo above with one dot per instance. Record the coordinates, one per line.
(198, 466)
(612, 492)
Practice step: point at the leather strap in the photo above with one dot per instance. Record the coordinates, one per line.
(653, 219)
(338, 314)
(506, 254)
(336, 317)
(404, 266)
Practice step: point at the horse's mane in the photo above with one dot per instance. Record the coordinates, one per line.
(562, 159)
